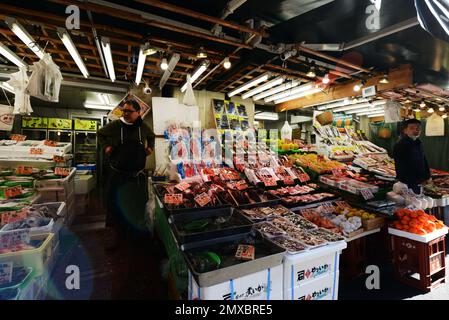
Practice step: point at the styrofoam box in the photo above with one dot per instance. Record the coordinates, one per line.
(262, 285)
(84, 184)
(305, 267)
(320, 289)
(425, 238)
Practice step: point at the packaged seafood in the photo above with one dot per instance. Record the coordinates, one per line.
(301, 222)
(326, 235)
(306, 238)
(268, 230)
(258, 213)
(282, 211)
(292, 246)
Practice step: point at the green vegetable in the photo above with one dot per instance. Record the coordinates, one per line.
(26, 184)
(211, 256)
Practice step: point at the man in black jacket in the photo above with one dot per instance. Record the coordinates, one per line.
(411, 163)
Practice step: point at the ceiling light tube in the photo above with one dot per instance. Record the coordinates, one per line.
(106, 46)
(140, 64)
(375, 115)
(361, 106)
(266, 116)
(369, 109)
(11, 56)
(365, 113)
(278, 89)
(343, 103)
(98, 106)
(70, 46)
(7, 87)
(264, 87)
(23, 35)
(286, 93)
(250, 84)
(171, 66)
(298, 95)
(196, 74)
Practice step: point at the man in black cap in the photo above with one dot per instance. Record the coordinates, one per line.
(411, 164)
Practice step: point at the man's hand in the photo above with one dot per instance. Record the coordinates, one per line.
(108, 150)
(148, 151)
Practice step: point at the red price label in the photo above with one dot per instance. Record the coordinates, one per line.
(24, 170)
(367, 194)
(202, 199)
(50, 143)
(18, 137)
(241, 185)
(289, 180)
(173, 198)
(342, 205)
(61, 171)
(13, 216)
(270, 182)
(58, 159)
(36, 151)
(182, 186)
(303, 177)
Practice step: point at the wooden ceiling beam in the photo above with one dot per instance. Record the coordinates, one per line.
(398, 78)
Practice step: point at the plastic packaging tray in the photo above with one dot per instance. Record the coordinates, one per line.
(268, 255)
(33, 231)
(35, 258)
(243, 225)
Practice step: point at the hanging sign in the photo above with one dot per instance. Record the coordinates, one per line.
(62, 124)
(85, 125)
(34, 122)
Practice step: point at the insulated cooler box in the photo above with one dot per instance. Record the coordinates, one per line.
(306, 272)
(262, 285)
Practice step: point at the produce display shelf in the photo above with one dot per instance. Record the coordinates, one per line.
(363, 234)
(425, 238)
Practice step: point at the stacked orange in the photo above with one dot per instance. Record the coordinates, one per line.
(417, 222)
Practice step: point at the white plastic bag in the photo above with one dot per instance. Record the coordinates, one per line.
(189, 96)
(286, 132)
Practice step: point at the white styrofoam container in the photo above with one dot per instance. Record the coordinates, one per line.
(262, 285)
(425, 238)
(304, 267)
(319, 289)
(84, 184)
(33, 231)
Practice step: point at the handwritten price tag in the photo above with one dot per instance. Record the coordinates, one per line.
(50, 143)
(367, 194)
(202, 199)
(270, 182)
(304, 177)
(241, 185)
(62, 171)
(173, 198)
(36, 151)
(182, 186)
(13, 216)
(342, 205)
(289, 181)
(5, 272)
(14, 238)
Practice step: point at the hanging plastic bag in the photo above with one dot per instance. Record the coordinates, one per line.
(286, 132)
(6, 117)
(19, 81)
(189, 96)
(392, 111)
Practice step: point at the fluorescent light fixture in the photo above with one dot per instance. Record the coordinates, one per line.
(361, 106)
(23, 35)
(250, 84)
(366, 113)
(375, 115)
(11, 56)
(267, 116)
(70, 46)
(7, 87)
(298, 95)
(289, 92)
(342, 103)
(164, 64)
(437, 16)
(278, 89)
(171, 66)
(226, 63)
(98, 106)
(361, 111)
(106, 46)
(264, 87)
(196, 74)
(140, 64)
(201, 53)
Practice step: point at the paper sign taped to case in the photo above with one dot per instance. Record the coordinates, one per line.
(435, 126)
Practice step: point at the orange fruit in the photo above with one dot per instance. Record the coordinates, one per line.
(421, 232)
(414, 214)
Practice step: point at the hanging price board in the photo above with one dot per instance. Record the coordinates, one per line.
(367, 194)
(182, 186)
(62, 171)
(203, 199)
(36, 151)
(5, 272)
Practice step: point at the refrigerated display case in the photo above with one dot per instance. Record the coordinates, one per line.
(35, 134)
(60, 135)
(85, 147)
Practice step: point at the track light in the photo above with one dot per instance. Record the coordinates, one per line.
(442, 108)
(430, 110)
(423, 104)
(326, 79)
(384, 79)
(201, 53)
(311, 73)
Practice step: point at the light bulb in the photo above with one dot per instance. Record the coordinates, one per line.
(422, 105)
(326, 79)
(311, 73)
(357, 87)
(430, 110)
(444, 116)
(164, 64)
(442, 108)
(226, 63)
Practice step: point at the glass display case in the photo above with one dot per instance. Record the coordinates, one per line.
(60, 136)
(85, 147)
(35, 134)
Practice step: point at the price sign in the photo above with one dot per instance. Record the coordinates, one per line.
(337, 172)
(24, 170)
(18, 137)
(14, 238)
(241, 185)
(12, 192)
(288, 181)
(182, 186)
(202, 199)
(173, 198)
(36, 151)
(342, 205)
(270, 182)
(62, 171)
(50, 143)
(13, 216)
(367, 194)
(304, 177)
(5, 272)
(58, 159)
